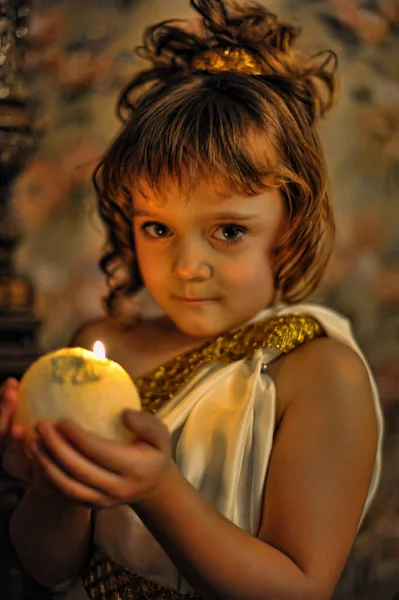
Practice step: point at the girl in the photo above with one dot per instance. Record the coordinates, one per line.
(258, 452)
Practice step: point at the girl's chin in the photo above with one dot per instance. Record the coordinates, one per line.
(201, 329)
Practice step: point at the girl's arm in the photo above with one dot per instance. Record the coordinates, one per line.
(49, 533)
(317, 482)
(51, 536)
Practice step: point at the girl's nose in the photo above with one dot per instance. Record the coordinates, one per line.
(190, 272)
(192, 265)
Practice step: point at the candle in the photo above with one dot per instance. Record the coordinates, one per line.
(77, 384)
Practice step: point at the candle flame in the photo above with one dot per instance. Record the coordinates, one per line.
(99, 349)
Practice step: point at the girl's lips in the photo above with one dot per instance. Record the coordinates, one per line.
(188, 300)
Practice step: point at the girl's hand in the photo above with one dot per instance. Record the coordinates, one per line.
(12, 437)
(100, 473)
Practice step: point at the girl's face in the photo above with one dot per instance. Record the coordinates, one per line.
(207, 258)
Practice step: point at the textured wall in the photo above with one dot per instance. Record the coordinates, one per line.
(78, 60)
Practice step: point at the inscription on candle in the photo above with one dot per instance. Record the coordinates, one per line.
(73, 369)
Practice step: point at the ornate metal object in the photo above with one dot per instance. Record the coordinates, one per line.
(16, 139)
(17, 323)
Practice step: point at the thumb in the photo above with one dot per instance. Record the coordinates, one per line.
(147, 428)
(40, 481)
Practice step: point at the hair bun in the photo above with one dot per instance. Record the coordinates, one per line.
(253, 27)
(172, 46)
(213, 13)
(248, 25)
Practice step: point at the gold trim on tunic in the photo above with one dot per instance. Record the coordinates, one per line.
(283, 333)
(106, 579)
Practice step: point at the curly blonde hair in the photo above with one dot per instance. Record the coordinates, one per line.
(244, 131)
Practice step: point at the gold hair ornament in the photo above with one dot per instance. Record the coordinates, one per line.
(236, 60)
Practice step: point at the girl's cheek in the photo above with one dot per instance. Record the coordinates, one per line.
(250, 267)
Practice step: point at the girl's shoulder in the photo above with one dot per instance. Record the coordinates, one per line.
(139, 346)
(106, 329)
(121, 339)
(323, 371)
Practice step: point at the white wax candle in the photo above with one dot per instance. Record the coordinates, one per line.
(77, 384)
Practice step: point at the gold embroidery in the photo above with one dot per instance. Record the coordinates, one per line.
(237, 60)
(284, 333)
(104, 578)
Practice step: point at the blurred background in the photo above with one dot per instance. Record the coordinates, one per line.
(79, 55)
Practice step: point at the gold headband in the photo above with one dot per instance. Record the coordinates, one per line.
(236, 60)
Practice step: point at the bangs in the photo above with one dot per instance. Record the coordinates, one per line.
(186, 135)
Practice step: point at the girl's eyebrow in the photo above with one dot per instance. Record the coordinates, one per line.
(224, 216)
(232, 216)
(137, 212)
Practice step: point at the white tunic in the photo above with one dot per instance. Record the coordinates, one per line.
(222, 425)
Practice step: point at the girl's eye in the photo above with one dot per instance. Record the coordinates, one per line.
(156, 230)
(230, 234)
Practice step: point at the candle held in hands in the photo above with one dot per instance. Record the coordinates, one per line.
(77, 384)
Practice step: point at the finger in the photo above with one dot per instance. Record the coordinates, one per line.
(40, 481)
(148, 428)
(73, 462)
(10, 383)
(110, 455)
(75, 490)
(9, 399)
(17, 432)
